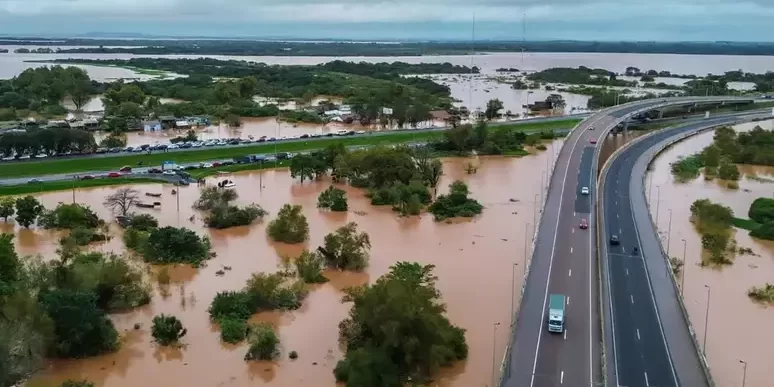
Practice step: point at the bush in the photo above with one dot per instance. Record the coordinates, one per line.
(230, 304)
(135, 239)
(309, 268)
(83, 236)
(143, 222)
(764, 231)
(728, 171)
(176, 245)
(80, 383)
(345, 249)
(263, 343)
(232, 330)
(290, 226)
(333, 199)
(225, 216)
(455, 204)
(762, 210)
(167, 329)
(293, 355)
(211, 197)
(70, 216)
(81, 328)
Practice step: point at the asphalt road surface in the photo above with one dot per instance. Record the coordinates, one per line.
(564, 262)
(651, 342)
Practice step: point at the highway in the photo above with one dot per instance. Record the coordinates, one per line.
(652, 346)
(564, 261)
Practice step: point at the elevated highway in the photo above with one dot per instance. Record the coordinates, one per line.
(564, 261)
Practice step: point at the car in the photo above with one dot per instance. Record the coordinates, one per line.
(170, 172)
(34, 181)
(585, 190)
(87, 177)
(591, 127)
(154, 170)
(205, 165)
(305, 135)
(584, 224)
(593, 140)
(114, 174)
(614, 240)
(125, 169)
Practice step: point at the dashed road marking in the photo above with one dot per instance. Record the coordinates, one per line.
(647, 383)
(638, 334)
(632, 298)
(627, 271)
(570, 250)
(568, 300)
(565, 334)
(570, 273)
(561, 378)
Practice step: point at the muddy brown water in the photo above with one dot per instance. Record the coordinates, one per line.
(474, 261)
(737, 328)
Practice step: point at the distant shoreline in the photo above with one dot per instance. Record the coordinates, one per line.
(246, 47)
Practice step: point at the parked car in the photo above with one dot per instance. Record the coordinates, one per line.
(154, 170)
(114, 174)
(170, 172)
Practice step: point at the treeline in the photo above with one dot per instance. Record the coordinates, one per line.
(47, 141)
(580, 76)
(41, 90)
(334, 48)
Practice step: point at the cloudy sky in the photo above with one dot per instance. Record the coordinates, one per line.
(661, 20)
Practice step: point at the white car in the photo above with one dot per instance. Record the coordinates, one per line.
(170, 172)
(173, 146)
(205, 165)
(585, 190)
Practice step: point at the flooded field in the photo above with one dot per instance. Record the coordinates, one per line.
(474, 262)
(737, 328)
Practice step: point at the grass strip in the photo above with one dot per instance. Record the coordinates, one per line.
(87, 164)
(61, 185)
(746, 224)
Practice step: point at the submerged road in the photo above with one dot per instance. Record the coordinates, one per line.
(651, 342)
(564, 262)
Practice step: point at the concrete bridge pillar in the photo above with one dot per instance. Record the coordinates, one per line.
(626, 128)
(661, 113)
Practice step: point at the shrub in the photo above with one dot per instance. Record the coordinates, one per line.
(79, 383)
(83, 236)
(346, 249)
(225, 216)
(230, 304)
(211, 197)
(176, 245)
(81, 328)
(764, 231)
(456, 203)
(143, 222)
(232, 330)
(135, 239)
(333, 199)
(70, 216)
(167, 329)
(290, 226)
(309, 268)
(263, 342)
(116, 282)
(762, 210)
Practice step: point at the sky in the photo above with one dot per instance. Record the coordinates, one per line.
(607, 20)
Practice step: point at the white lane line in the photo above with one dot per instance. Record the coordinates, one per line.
(647, 383)
(568, 300)
(632, 298)
(570, 273)
(561, 378)
(618, 216)
(620, 231)
(570, 250)
(627, 272)
(565, 334)
(638, 334)
(573, 230)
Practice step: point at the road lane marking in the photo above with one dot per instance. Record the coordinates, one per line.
(632, 298)
(561, 378)
(620, 231)
(570, 273)
(638, 334)
(568, 300)
(627, 272)
(570, 250)
(647, 383)
(618, 216)
(565, 334)
(573, 230)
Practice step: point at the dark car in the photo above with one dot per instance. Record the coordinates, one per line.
(584, 224)
(593, 140)
(87, 177)
(125, 169)
(614, 240)
(155, 170)
(114, 174)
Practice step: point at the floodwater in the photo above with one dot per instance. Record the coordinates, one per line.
(737, 327)
(474, 262)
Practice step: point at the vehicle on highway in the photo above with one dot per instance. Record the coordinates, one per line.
(585, 190)
(155, 170)
(635, 250)
(593, 141)
(591, 127)
(169, 172)
(114, 174)
(205, 165)
(584, 224)
(34, 181)
(125, 169)
(614, 240)
(556, 313)
(87, 177)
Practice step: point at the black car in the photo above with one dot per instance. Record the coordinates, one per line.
(614, 240)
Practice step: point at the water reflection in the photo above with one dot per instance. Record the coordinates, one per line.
(733, 318)
(473, 259)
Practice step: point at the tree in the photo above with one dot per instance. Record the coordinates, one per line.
(333, 198)
(456, 203)
(762, 210)
(176, 245)
(309, 268)
(27, 210)
(346, 249)
(167, 329)
(420, 338)
(143, 222)
(7, 207)
(10, 266)
(79, 383)
(728, 170)
(493, 107)
(225, 216)
(81, 329)
(69, 216)
(122, 201)
(263, 342)
(303, 167)
(210, 197)
(290, 226)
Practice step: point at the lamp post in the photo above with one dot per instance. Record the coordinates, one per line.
(669, 231)
(744, 372)
(685, 267)
(494, 348)
(658, 203)
(524, 262)
(706, 320)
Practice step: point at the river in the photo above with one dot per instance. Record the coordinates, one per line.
(737, 328)
(474, 262)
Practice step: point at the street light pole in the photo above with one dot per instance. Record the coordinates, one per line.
(494, 348)
(669, 232)
(685, 267)
(524, 262)
(706, 320)
(744, 372)
(658, 203)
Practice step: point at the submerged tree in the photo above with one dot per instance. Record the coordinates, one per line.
(333, 198)
(346, 249)
(290, 226)
(123, 201)
(167, 329)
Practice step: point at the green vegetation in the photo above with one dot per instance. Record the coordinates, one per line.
(263, 342)
(290, 226)
(713, 221)
(761, 222)
(40, 91)
(221, 214)
(419, 342)
(346, 249)
(333, 199)
(167, 245)
(764, 294)
(70, 216)
(309, 267)
(167, 330)
(80, 383)
(687, 168)
(455, 204)
(263, 292)
(27, 211)
(76, 165)
(579, 76)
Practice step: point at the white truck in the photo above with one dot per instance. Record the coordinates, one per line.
(556, 305)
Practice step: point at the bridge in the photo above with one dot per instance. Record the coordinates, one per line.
(564, 260)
